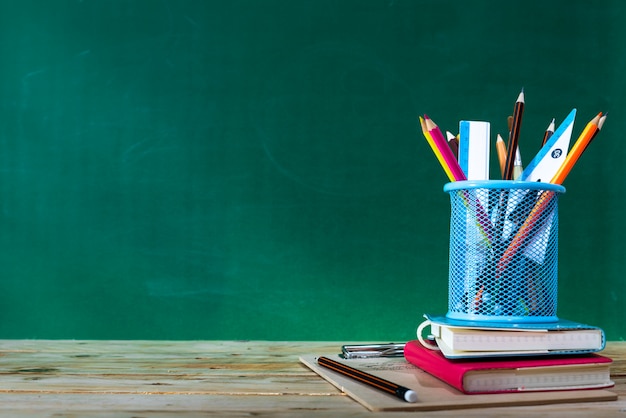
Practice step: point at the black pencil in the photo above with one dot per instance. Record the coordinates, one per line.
(401, 392)
(453, 141)
(514, 136)
(548, 133)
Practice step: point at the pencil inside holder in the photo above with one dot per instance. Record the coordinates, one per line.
(503, 260)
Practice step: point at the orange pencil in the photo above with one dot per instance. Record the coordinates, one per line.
(538, 214)
(501, 150)
(600, 125)
(533, 222)
(479, 297)
(577, 150)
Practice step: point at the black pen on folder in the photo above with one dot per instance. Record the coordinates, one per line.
(401, 392)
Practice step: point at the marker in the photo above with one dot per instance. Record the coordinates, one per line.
(401, 392)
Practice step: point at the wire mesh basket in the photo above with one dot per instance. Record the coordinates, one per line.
(503, 251)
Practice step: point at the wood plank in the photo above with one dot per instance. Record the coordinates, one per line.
(158, 357)
(250, 384)
(145, 406)
(205, 378)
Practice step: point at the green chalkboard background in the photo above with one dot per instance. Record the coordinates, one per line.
(197, 169)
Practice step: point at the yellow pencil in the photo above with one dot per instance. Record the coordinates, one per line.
(444, 149)
(433, 146)
(579, 147)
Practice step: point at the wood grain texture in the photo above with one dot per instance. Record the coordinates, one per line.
(61, 378)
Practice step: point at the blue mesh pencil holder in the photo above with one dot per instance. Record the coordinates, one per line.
(503, 251)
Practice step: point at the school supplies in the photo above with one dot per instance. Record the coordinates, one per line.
(501, 332)
(501, 150)
(434, 394)
(444, 149)
(472, 339)
(436, 148)
(511, 146)
(379, 383)
(517, 165)
(548, 133)
(551, 164)
(453, 141)
(474, 148)
(513, 374)
(552, 155)
(372, 350)
(591, 129)
(600, 124)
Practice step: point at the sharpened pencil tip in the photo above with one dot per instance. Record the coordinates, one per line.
(601, 121)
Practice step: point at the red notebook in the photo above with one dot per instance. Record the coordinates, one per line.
(513, 374)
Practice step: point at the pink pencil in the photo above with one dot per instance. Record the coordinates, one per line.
(445, 150)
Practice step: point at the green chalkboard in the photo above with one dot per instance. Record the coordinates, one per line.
(197, 169)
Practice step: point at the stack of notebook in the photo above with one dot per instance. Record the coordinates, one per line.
(482, 357)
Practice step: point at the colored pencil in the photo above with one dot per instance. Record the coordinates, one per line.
(600, 124)
(440, 148)
(533, 223)
(588, 133)
(514, 136)
(517, 166)
(453, 141)
(501, 150)
(436, 150)
(538, 214)
(444, 148)
(548, 133)
(384, 385)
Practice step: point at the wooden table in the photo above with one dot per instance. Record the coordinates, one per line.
(209, 379)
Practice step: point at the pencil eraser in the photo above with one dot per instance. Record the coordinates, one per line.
(410, 396)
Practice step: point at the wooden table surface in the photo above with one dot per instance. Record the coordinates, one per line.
(60, 378)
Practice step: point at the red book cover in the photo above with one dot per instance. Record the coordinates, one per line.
(518, 374)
